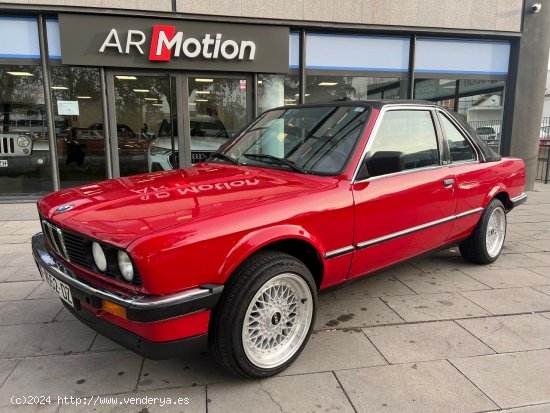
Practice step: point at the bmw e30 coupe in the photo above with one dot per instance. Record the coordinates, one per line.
(235, 250)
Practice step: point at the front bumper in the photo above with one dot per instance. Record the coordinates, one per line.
(144, 313)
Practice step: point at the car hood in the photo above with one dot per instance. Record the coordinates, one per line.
(119, 211)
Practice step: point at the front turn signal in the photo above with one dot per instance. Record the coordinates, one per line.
(113, 308)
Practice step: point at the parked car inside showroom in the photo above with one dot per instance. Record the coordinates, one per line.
(207, 135)
(236, 249)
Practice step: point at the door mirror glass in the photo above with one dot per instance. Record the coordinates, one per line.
(385, 162)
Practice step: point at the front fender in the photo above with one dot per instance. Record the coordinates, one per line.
(254, 241)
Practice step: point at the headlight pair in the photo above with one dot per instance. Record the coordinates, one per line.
(125, 265)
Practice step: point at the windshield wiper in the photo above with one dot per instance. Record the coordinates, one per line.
(283, 161)
(222, 156)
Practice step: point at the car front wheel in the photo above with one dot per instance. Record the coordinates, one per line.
(265, 316)
(485, 244)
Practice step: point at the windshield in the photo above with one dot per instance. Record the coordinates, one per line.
(316, 140)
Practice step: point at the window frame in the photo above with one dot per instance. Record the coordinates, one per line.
(441, 113)
(374, 135)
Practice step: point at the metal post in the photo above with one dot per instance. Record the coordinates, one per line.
(412, 62)
(110, 123)
(302, 98)
(547, 175)
(254, 95)
(42, 40)
(106, 130)
(184, 134)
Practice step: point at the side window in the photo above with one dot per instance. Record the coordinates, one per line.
(408, 134)
(460, 148)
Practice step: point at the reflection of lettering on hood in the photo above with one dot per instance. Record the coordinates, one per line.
(160, 192)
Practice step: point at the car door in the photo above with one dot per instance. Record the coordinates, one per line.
(404, 213)
(473, 179)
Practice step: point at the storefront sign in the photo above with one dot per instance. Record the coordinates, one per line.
(172, 44)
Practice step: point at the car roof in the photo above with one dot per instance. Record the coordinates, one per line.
(378, 104)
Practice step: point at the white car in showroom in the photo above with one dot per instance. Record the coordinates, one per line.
(207, 134)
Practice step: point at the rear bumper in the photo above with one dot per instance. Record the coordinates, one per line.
(518, 200)
(153, 326)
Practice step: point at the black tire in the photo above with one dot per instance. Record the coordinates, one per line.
(474, 248)
(226, 325)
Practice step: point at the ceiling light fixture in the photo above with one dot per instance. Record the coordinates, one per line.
(141, 90)
(125, 77)
(202, 92)
(201, 100)
(203, 80)
(328, 83)
(20, 73)
(60, 88)
(83, 97)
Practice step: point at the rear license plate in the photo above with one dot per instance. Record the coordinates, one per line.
(62, 289)
(3, 163)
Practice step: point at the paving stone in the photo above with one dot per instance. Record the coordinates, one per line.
(192, 369)
(10, 291)
(6, 367)
(14, 239)
(541, 408)
(167, 401)
(354, 313)
(16, 249)
(432, 386)
(25, 273)
(511, 380)
(511, 333)
(400, 269)
(43, 291)
(510, 300)
(373, 286)
(74, 375)
(303, 393)
(543, 289)
(432, 307)
(451, 262)
(336, 350)
(425, 341)
(6, 272)
(43, 408)
(19, 259)
(65, 315)
(540, 244)
(102, 343)
(506, 278)
(441, 282)
(29, 311)
(53, 338)
(544, 271)
(525, 260)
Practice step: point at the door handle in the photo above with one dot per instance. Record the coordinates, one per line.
(448, 182)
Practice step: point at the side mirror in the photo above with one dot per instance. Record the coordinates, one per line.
(385, 162)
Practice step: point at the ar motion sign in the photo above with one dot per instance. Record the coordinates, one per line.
(166, 42)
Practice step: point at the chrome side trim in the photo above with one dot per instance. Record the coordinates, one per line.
(470, 212)
(408, 231)
(339, 251)
(519, 197)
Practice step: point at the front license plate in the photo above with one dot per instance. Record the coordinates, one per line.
(3, 163)
(59, 287)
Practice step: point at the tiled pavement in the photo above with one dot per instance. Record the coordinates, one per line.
(433, 335)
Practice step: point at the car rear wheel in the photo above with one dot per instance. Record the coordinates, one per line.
(485, 244)
(265, 316)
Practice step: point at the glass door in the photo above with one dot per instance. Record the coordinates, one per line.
(144, 110)
(218, 108)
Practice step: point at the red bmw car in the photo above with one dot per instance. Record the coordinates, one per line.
(236, 249)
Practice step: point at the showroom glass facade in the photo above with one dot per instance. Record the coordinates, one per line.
(142, 111)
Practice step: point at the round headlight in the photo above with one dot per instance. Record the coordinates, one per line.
(125, 266)
(23, 141)
(99, 257)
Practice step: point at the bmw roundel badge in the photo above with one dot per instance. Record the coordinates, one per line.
(64, 208)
